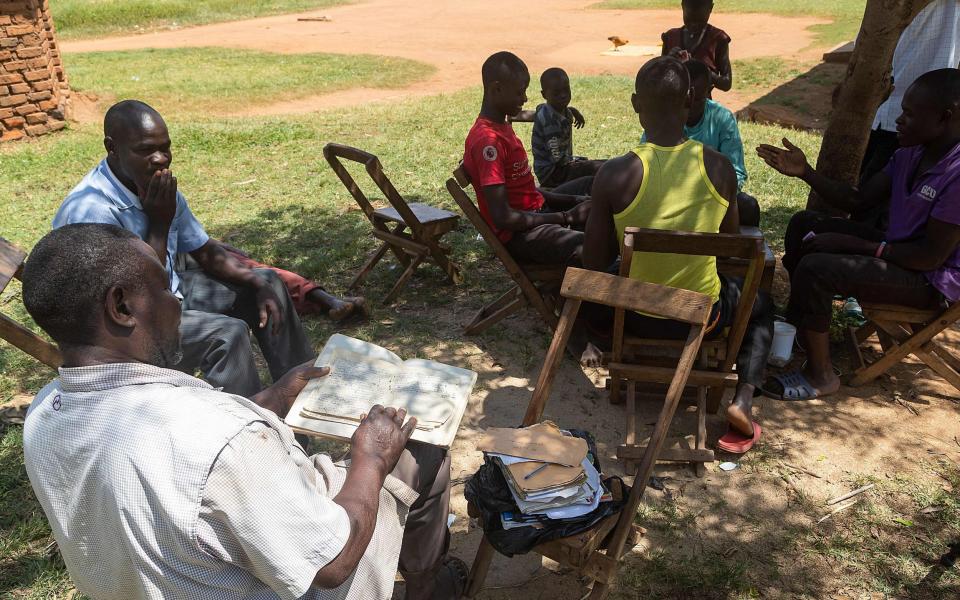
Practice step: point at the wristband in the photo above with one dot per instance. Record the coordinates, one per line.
(880, 249)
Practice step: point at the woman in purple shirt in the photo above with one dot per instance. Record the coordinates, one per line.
(916, 262)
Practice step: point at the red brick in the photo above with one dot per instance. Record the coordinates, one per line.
(10, 42)
(48, 105)
(5, 55)
(11, 78)
(17, 30)
(13, 100)
(56, 125)
(25, 109)
(4, 20)
(6, 113)
(31, 41)
(37, 129)
(15, 65)
(9, 136)
(38, 63)
(20, 88)
(14, 122)
(31, 52)
(37, 75)
(38, 96)
(37, 118)
(42, 85)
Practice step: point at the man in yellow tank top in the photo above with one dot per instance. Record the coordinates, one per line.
(672, 183)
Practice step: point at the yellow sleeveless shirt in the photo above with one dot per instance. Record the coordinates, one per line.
(675, 195)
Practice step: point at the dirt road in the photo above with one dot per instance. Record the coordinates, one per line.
(455, 37)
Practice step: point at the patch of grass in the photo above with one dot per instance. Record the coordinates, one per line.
(758, 74)
(92, 18)
(846, 14)
(221, 80)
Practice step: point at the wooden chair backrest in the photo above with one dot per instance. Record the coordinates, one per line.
(335, 152)
(720, 245)
(457, 187)
(11, 265)
(623, 293)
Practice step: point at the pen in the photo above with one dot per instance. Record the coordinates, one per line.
(535, 471)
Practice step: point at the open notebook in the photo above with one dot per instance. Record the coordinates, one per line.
(363, 375)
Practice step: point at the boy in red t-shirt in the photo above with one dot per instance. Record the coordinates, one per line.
(533, 225)
(699, 40)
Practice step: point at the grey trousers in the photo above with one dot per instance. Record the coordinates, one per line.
(215, 332)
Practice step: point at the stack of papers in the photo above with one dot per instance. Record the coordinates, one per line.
(548, 472)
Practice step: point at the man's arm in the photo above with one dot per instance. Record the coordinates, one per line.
(217, 262)
(614, 188)
(159, 202)
(723, 80)
(506, 218)
(925, 254)
(792, 162)
(374, 451)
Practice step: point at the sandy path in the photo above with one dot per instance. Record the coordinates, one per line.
(455, 37)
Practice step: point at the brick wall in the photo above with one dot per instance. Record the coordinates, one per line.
(34, 95)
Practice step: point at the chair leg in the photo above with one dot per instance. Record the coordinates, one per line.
(600, 591)
(939, 366)
(368, 266)
(407, 273)
(631, 438)
(698, 467)
(443, 261)
(478, 572)
(496, 311)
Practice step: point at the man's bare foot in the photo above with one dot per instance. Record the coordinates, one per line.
(739, 419)
(348, 307)
(591, 356)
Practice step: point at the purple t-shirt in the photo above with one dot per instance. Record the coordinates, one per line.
(935, 194)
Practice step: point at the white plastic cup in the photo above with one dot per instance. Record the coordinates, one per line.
(781, 351)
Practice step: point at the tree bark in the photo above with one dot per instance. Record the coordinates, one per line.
(862, 90)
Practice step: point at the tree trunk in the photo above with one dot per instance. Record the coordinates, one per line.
(861, 92)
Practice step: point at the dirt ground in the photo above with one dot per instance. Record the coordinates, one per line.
(449, 36)
(867, 431)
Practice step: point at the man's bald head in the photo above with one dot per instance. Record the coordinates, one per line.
(125, 120)
(663, 84)
(503, 66)
(505, 81)
(941, 86)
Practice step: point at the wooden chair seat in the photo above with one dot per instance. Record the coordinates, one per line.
(903, 331)
(598, 552)
(425, 213)
(411, 231)
(11, 265)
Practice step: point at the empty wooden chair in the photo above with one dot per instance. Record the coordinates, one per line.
(533, 283)
(11, 264)
(905, 331)
(649, 361)
(598, 553)
(411, 232)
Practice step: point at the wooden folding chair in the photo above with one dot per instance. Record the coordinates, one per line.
(598, 553)
(11, 265)
(426, 223)
(533, 282)
(904, 331)
(642, 360)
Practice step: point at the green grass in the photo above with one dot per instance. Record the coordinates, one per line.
(91, 18)
(846, 14)
(220, 80)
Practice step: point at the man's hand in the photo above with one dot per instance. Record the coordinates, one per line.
(579, 213)
(381, 437)
(839, 243)
(792, 162)
(578, 120)
(279, 397)
(679, 54)
(159, 200)
(269, 306)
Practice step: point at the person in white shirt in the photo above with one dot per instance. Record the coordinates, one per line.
(157, 485)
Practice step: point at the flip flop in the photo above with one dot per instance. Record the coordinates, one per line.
(735, 442)
(795, 387)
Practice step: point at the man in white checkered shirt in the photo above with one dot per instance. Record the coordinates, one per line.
(156, 485)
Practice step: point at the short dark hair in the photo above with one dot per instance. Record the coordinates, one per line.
(124, 117)
(500, 64)
(68, 273)
(944, 85)
(664, 81)
(698, 70)
(550, 75)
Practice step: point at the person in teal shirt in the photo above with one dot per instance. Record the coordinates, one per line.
(712, 124)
